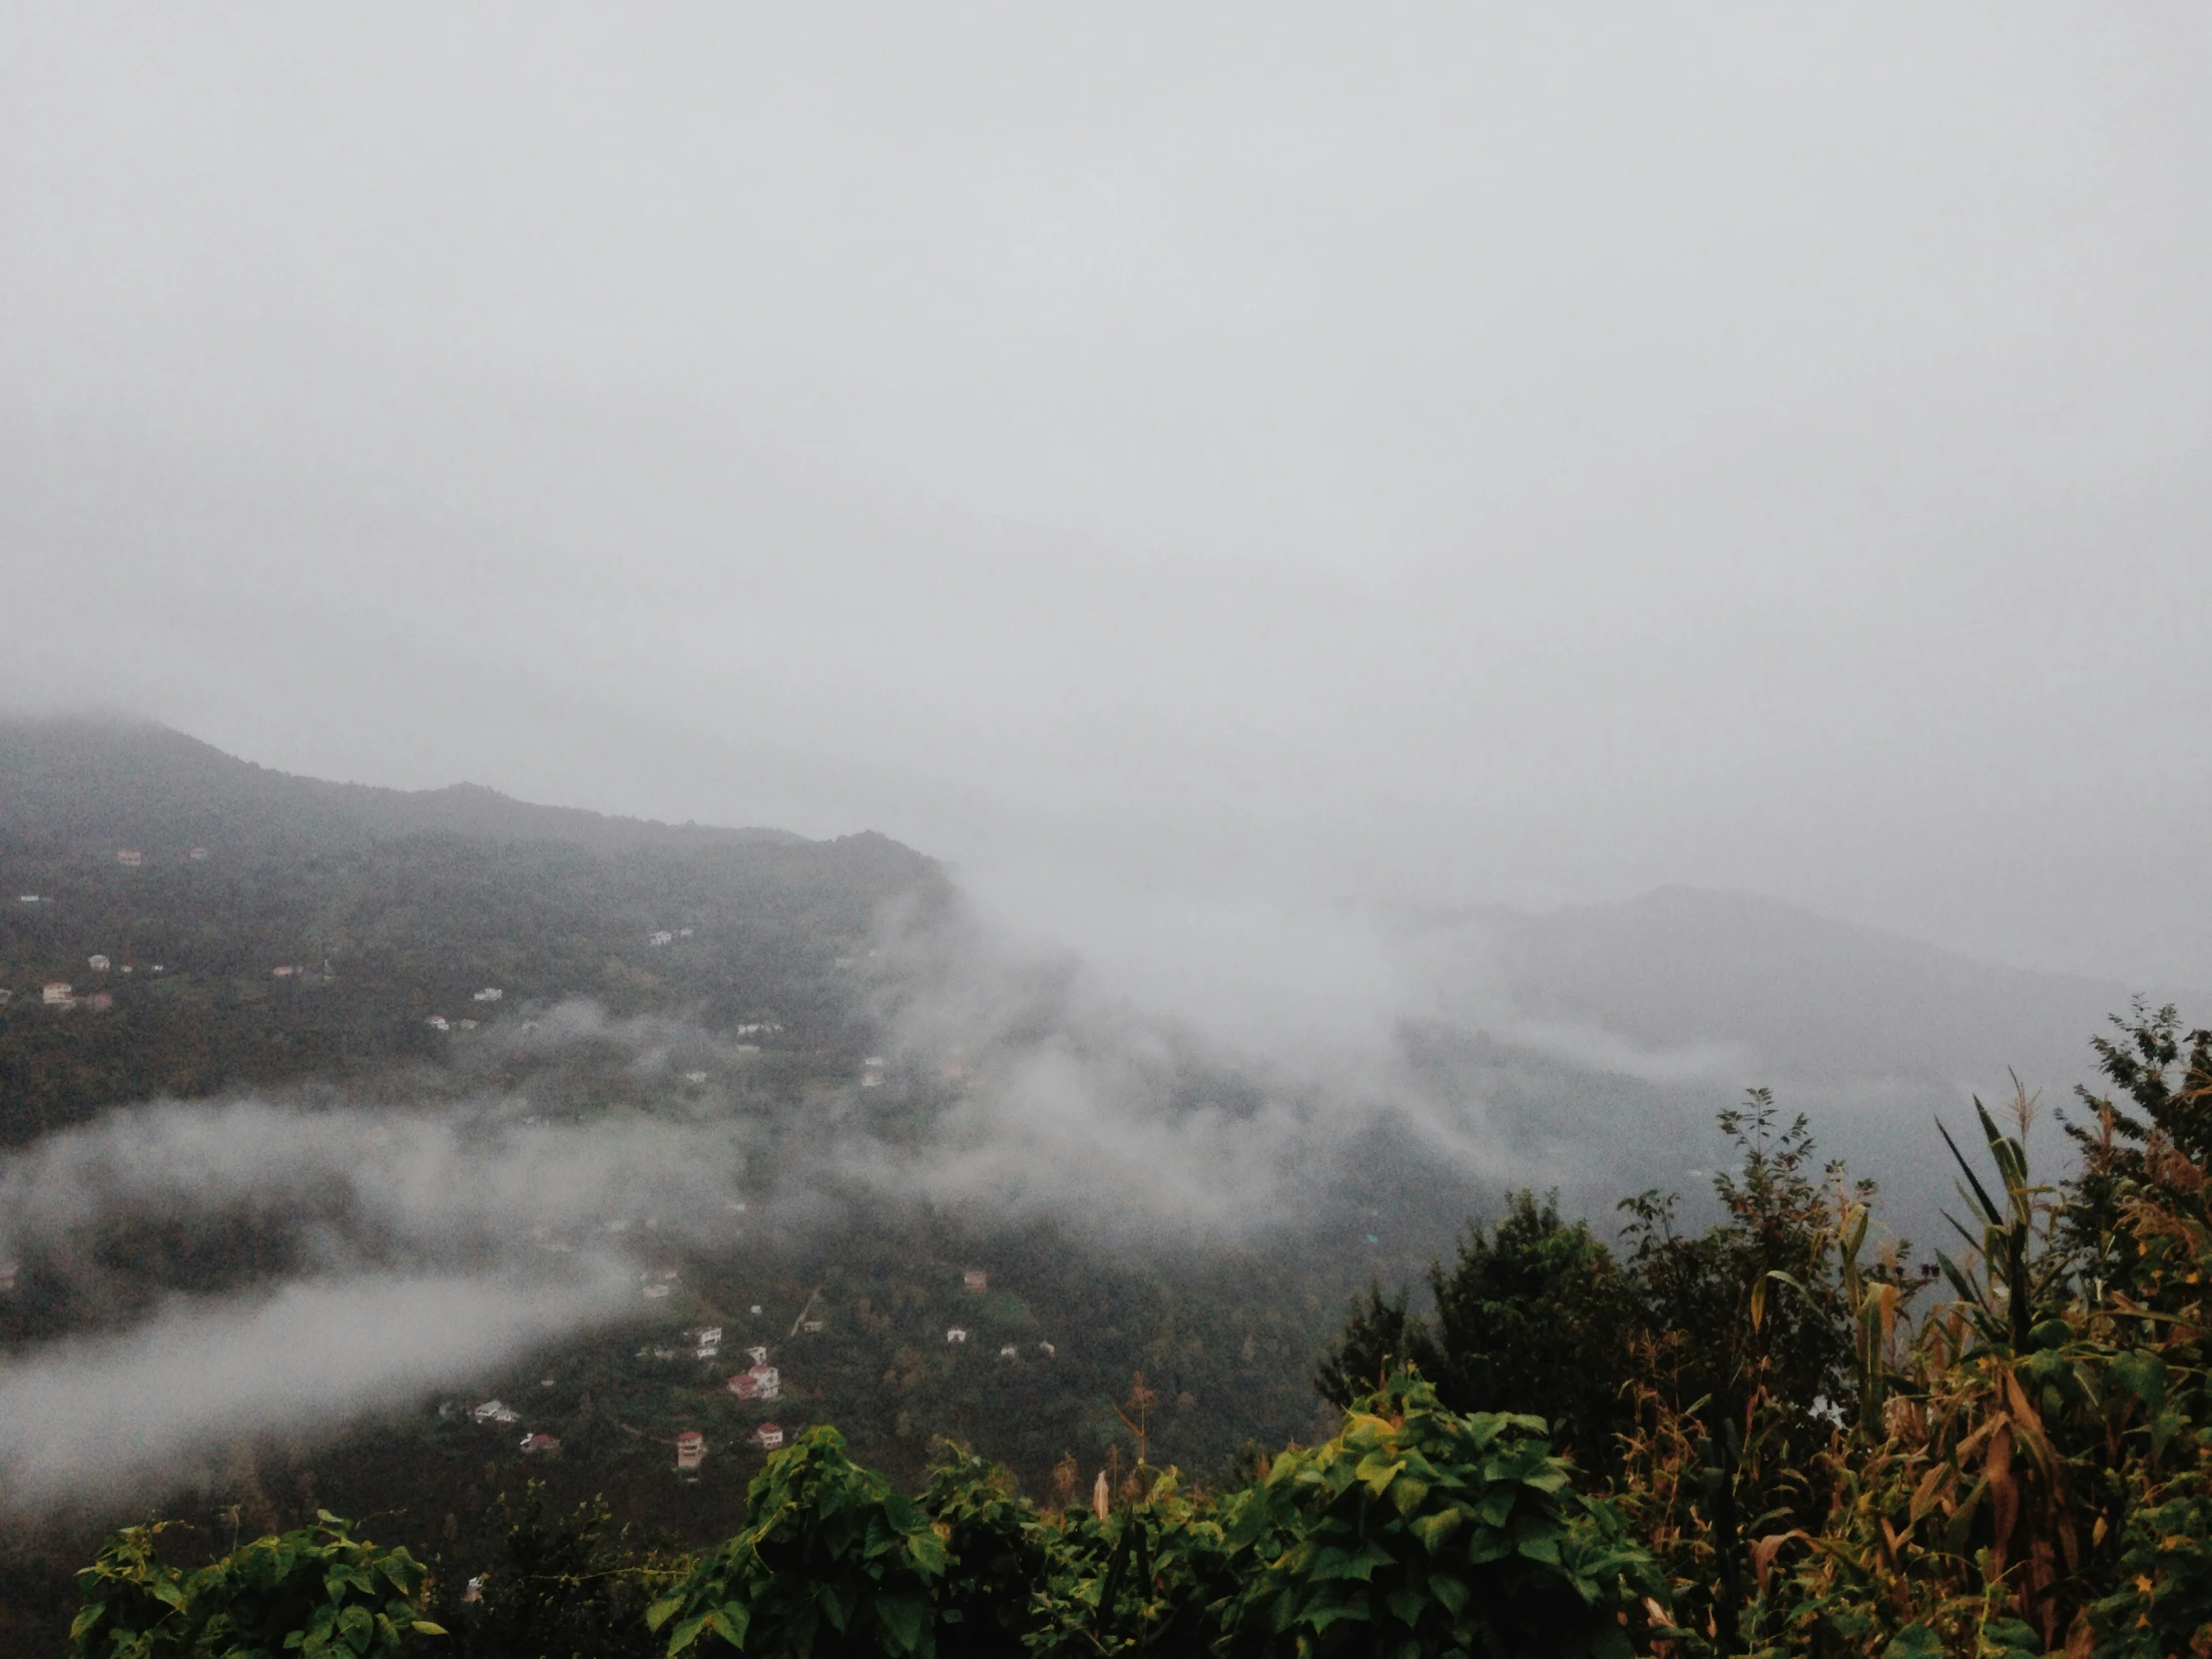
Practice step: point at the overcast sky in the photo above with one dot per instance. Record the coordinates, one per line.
(1409, 453)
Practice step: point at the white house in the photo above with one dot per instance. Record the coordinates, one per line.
(760, 1383)
(768, 1437)
(664, 937)
(1009, 1351)
(98, 964)
(197, 854)
(490, 993)
(957, 1334)
(653, 1293)
(130, 858)
(495, 1410)
(759, 1355)
(975, 1278)
(439, 1022)
(690, 1450)
(57, 993)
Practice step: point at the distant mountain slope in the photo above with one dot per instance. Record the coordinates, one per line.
(331, 931)
(1805, 996)
(140, 784)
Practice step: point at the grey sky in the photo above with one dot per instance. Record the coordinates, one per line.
(1411, 453)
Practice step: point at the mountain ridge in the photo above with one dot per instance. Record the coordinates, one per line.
(153, 787)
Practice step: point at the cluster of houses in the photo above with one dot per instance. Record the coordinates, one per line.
(691, 1445)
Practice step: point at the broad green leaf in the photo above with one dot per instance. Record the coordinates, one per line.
(1915, 1641)
(905, 1618)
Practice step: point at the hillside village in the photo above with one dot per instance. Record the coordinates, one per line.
(250, 950)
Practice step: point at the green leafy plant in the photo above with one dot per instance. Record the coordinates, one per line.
(318, 1592)
(1420, 1532)
(832, 1562)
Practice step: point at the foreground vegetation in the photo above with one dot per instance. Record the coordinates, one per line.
(1763, 1446)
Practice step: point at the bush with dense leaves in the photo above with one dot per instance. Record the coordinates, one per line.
(318, 1592)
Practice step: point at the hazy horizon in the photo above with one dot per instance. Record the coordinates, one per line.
(1254, 460)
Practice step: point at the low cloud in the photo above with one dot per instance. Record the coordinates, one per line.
(84, 1420)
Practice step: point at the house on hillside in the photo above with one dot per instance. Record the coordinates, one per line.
(285, 971)
(8, 1270)
(197, 854)
(653, 1293)
(1009, 1351)
(439, 1022)
(760, 1383)
(768, 1437)
(537, 1445)
(957, 1334)
(98, 1002)
(759, 1355)
(490, 993)
(58, 994)
(98, 962)
(130, 858)
(1048, 1349)
(664, 937)
(975, 1278)
(495, 1410)
(691, 1450)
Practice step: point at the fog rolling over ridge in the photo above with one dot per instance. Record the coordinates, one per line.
(1148, 1077)
(1080, 677)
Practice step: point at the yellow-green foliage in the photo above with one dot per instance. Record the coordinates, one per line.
(318, 1593)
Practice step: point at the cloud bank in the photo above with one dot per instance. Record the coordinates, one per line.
(86, 1421)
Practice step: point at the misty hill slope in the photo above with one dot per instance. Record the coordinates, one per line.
(327, 928)
(1804, 997)
(114, 784)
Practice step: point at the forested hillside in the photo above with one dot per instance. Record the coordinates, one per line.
(323, 954)
(251, 928)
